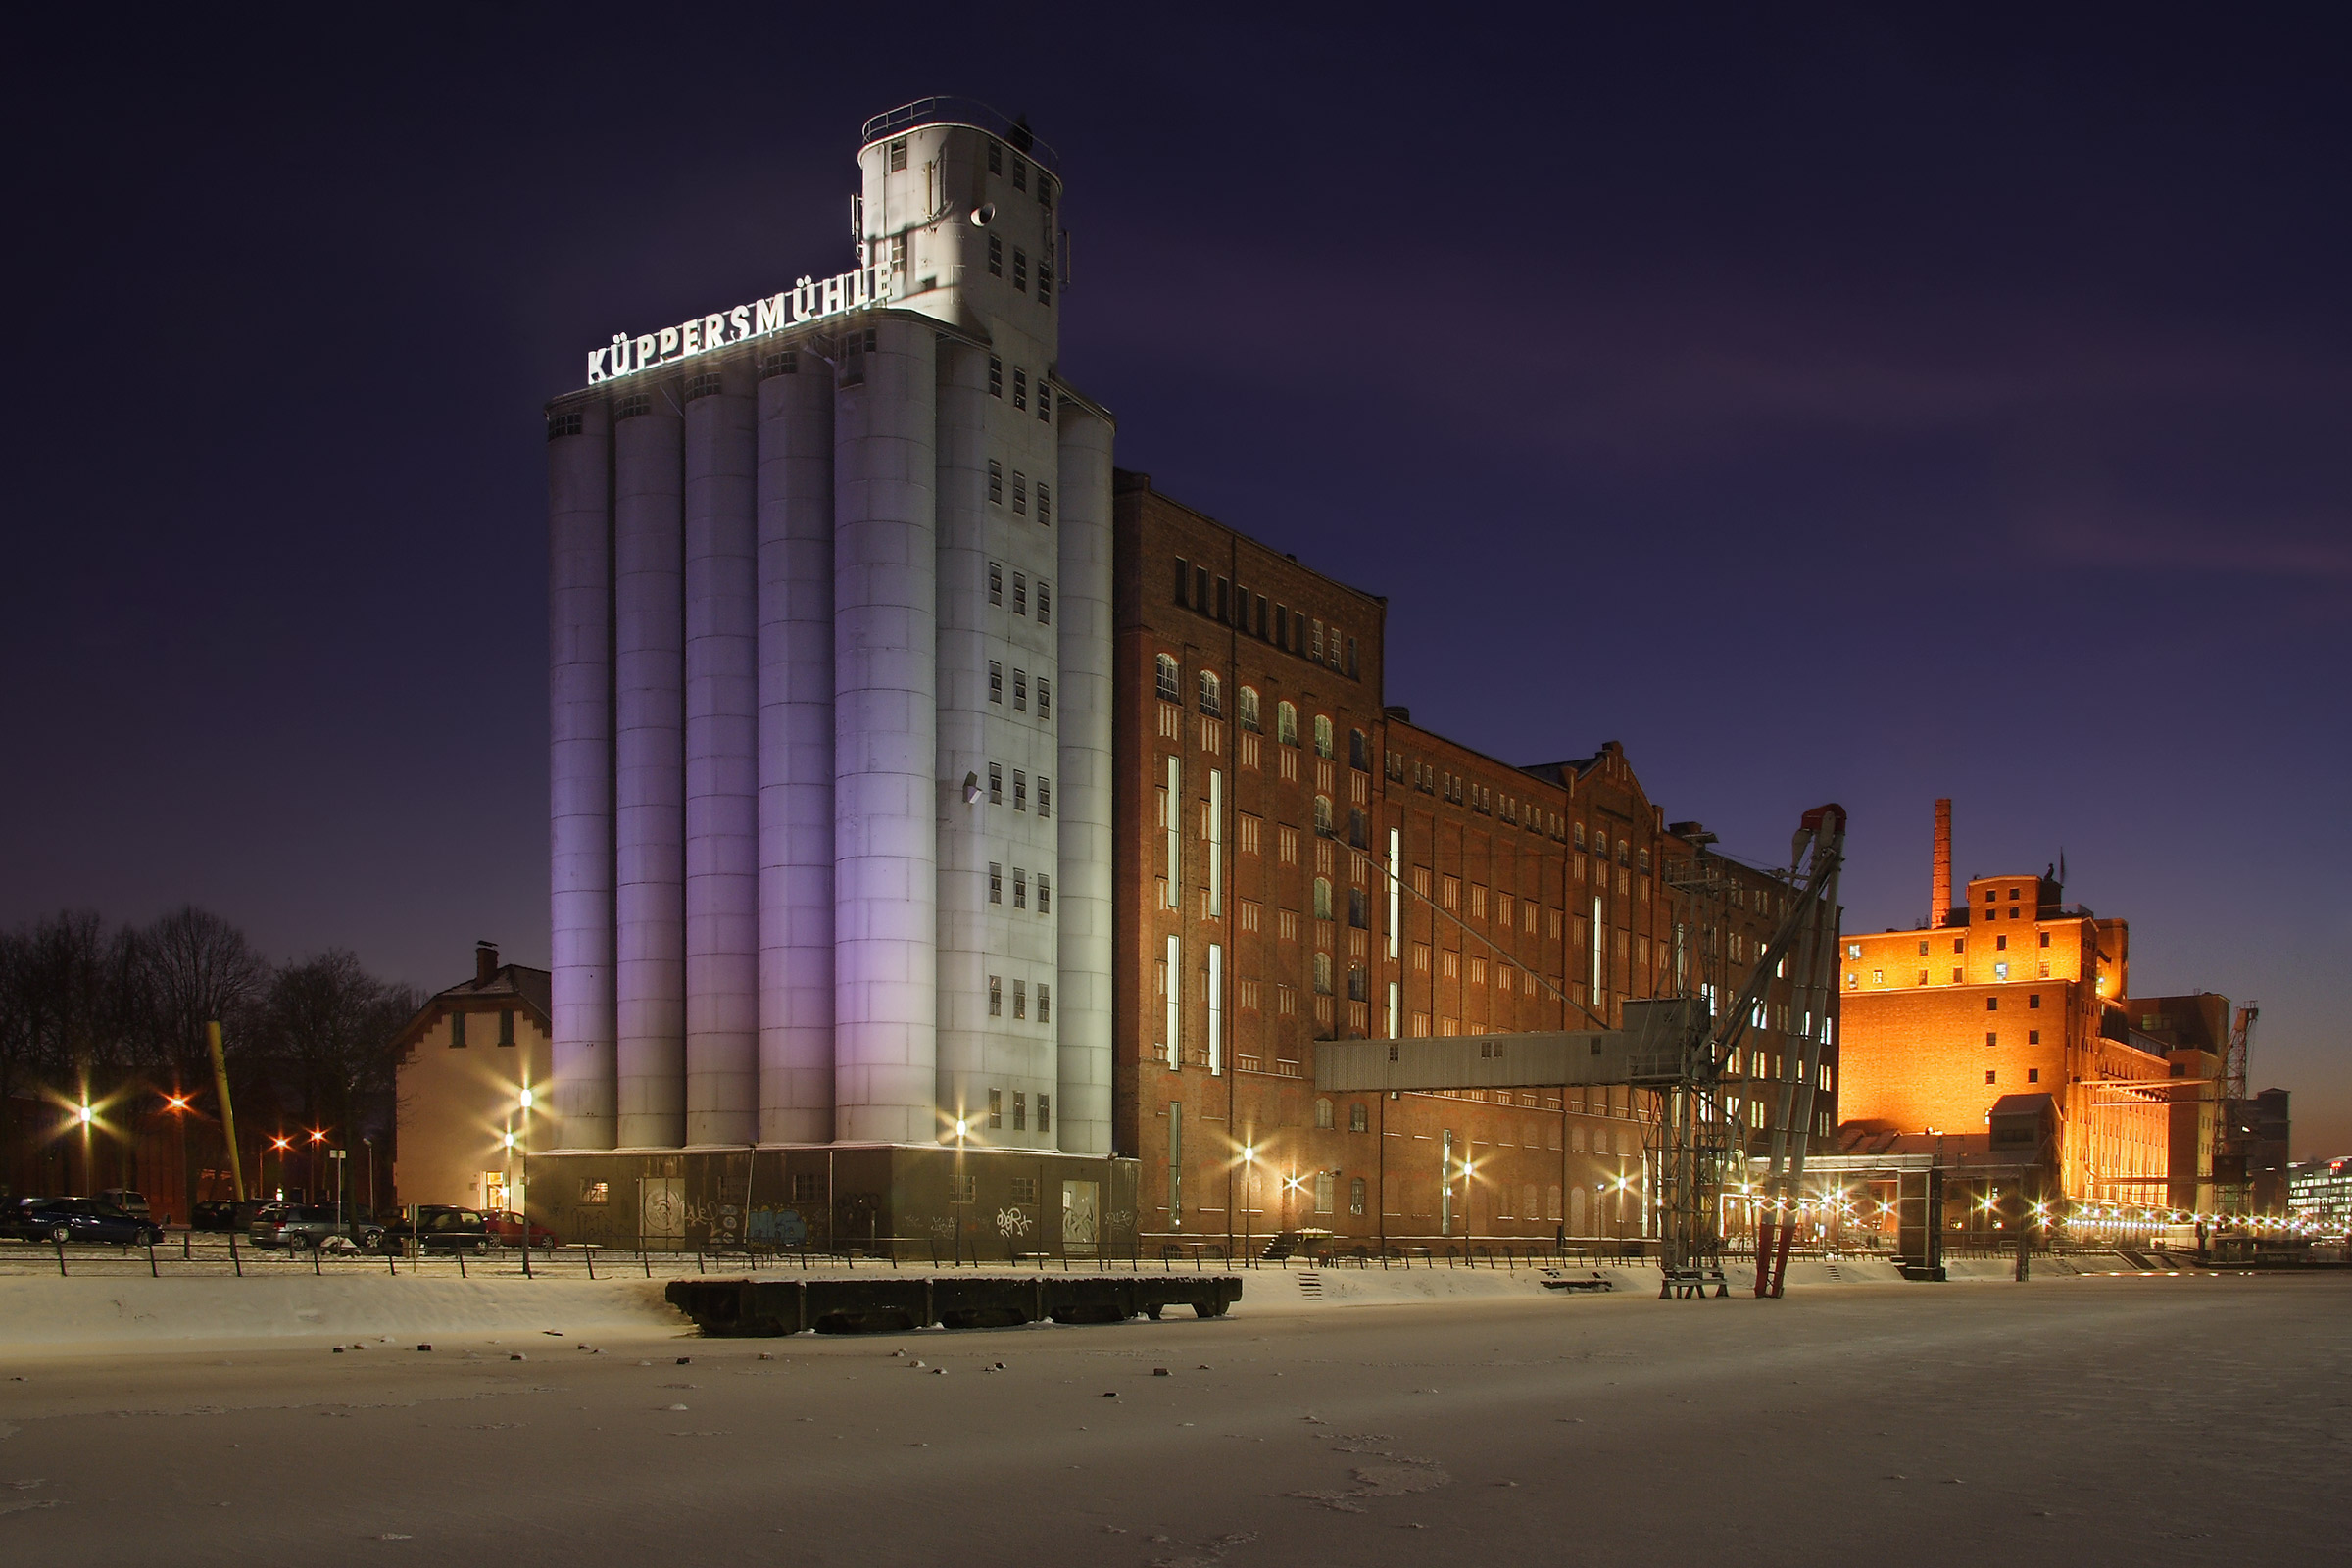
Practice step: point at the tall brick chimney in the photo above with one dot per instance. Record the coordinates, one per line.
(1941, 894)
(485, 963)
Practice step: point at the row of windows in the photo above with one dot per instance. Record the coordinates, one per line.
(1168, 681)
(965, 1185)
(1020, 388)
(2000, 944)
(1020, 273)
(1020, 999)
(1020, 888)
(1020, 494)
(1020, 789)
(996, 157)
(1021, 689)
(1294, 631)
(1020, 593)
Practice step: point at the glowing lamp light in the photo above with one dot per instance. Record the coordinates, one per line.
(526, 1100)
(509, 1140)
(178, 1102)
(281, 1141)
(84, 1113)
(317, 1137)
(961, 1127)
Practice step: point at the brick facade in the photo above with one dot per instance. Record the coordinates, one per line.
(2013, 994)
(1264, 790)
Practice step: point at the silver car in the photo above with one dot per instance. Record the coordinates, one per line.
(298, 1226)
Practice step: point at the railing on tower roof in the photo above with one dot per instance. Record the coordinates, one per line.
(962, 112)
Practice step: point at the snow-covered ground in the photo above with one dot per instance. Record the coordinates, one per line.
(283, 1301)
(2094, 1419)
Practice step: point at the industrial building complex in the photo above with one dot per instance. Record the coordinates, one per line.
(958, 842)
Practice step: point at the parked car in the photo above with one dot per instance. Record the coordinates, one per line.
(435, 1228)
(83, 1219)
(506, 1229)
(227, 1213)
(306, 1225)
(128, 1201)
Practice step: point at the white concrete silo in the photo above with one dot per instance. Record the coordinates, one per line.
(796, 747)
(885, 862)
(723, 849)
(1087, 700)
(650, 769)
(580, 771)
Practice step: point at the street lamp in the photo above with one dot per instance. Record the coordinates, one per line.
(522, 1192)
(1248, 1176)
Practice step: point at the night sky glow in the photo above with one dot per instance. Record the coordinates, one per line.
(1827, 408)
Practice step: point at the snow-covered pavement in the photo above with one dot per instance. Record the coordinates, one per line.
(2080, 1420)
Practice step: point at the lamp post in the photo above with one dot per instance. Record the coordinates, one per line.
(1248, 1175)
(337, 1155)
(179, 1105)
(1469, 1205)
(309, 1167)
(279, 1144)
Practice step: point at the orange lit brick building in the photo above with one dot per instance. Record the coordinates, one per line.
(2011, 993)
(1264, 791)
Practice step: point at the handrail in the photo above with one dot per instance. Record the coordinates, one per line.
(962, 112)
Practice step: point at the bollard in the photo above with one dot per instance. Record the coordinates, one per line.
(457, 1251)
(185, 1237)
(60, 1257)
(151, 1269)
(590, 1254)
(234, 1262)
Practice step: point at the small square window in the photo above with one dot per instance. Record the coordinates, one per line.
(1988, 1075)
(2032, 1075)
(2033, 1036)
(2000, 944)
(2045, 939)
(1993, 1004)
(2034, 1000)
(1991, 1037)
(897, 156)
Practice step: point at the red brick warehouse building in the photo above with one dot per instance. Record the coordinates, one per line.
(1264, 793)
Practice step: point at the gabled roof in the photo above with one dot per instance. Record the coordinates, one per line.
(507, 986)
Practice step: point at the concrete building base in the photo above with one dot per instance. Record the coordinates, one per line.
(915, 1202)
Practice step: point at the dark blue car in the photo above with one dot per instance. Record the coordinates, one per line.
(82, 1219)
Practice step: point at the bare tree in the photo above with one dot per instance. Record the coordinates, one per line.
(196, 968)
(331, 1023)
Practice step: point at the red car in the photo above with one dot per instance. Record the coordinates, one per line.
(506, 1229)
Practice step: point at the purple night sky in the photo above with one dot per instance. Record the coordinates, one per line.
(1827, 406)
